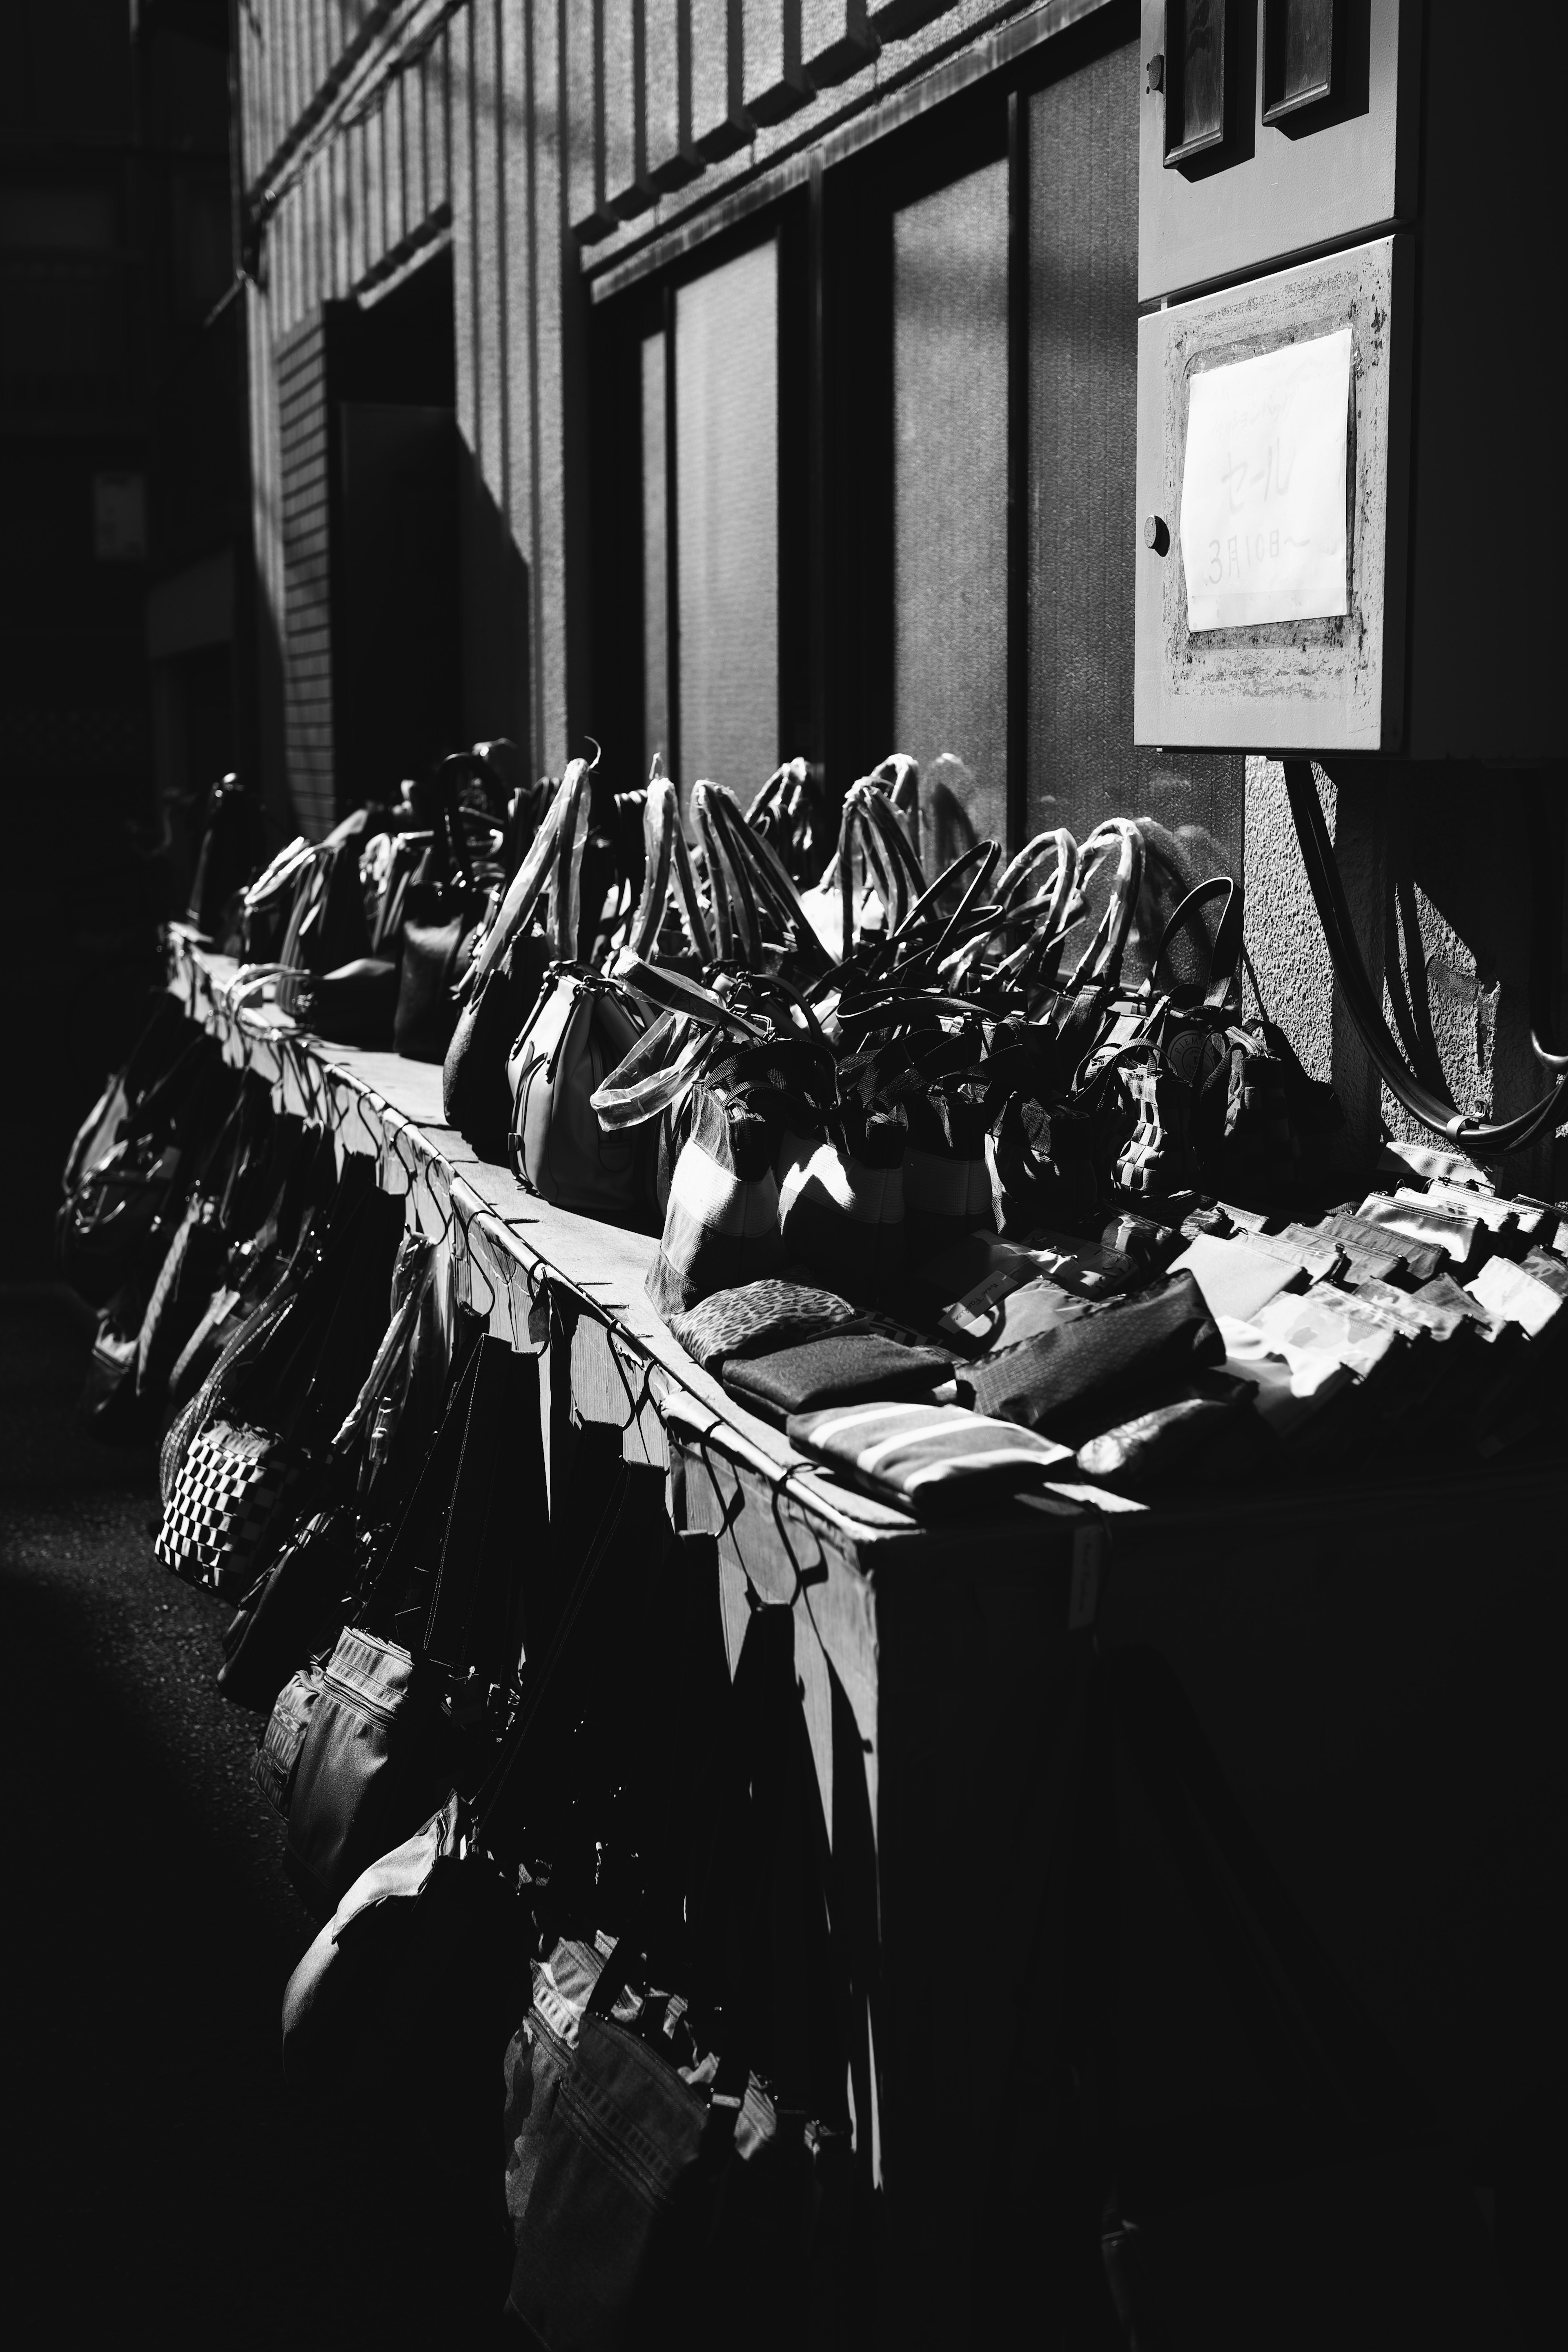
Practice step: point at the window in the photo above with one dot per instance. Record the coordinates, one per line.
(950, 506)
(724, 722)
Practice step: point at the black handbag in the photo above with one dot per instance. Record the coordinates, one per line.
(432, 1934)
(119, 1215)
(502, 983)
(244, 1462)
(145, 1326)
(229, 853)
(300, 1603)
(658, 2185)
(386, 1736)
(445, 909)
(165, 1034)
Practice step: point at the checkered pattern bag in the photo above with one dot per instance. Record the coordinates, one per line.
(222, 1505)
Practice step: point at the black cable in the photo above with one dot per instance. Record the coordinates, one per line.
(1365, 1007)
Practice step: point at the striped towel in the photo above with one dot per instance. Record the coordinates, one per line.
(919, 1454)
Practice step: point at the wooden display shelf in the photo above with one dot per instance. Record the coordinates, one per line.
(934, 1661)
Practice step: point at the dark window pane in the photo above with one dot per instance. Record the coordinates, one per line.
(726, 477)
(950, 507)
(1195, 72)
(1299, 65)
(654, 558)
(1309, 45)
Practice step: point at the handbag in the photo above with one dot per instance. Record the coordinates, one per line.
(580, 1030)
(434, 1930)
(795, 815)
(147, 1321)
(445, 909)
(503, 980)
(300, 1603)
(300, 1181)
(164, 1035)
(248, 1453)
(230, 847)
(121, 1210)
(655, 2179)
(383, 1742)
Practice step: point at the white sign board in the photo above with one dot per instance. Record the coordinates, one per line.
(1263, 487)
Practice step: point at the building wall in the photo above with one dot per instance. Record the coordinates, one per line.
(528, 136)
(550, 144)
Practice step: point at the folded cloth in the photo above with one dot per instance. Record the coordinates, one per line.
(757, 1317)
(923, 1455)
(1126, 1346)
(839, 1369)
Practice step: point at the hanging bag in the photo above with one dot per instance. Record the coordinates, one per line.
(445, 911)
(253, 1445)
(381, 1745)
(300, 1602)
(581, 1030)
(651, 2197)
(504, 978)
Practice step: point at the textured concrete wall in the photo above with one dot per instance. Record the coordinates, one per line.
(1437, 865)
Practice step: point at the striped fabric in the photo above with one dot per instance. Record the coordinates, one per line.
(919, 1454)
(721, 1221)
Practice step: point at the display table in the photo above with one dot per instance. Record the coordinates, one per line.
(1376, 1667)
(933, 1663)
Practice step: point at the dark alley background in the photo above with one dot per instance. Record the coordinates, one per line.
(122, 487)
(163, 2183)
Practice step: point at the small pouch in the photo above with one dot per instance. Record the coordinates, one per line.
(842, 1368)
(1123, 1348)
(758, 1318)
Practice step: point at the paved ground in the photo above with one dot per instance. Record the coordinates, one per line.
(163, 2183)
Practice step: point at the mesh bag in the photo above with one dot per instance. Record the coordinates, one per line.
(225, 1500)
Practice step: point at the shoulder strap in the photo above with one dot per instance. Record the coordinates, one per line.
(1222, 983)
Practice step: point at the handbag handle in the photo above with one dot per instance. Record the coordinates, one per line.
(1225, 953)
(1101, 964)
(761, 877)
(868, 816)
(728, 882)
(553, 863)
(660, 819)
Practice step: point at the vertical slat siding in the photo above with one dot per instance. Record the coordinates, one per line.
(581, 31)
(411, 98)
(773, 82)
(551, 149)
(669, 157)
(543, 127)
(718, 121)
(373, 132)
(835, 40)
(518, 194)
(490, 287)
(439, 117)
(302, 486)
(626, 188)
(394, 164)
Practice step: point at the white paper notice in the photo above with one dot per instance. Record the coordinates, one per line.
(1263, 487)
